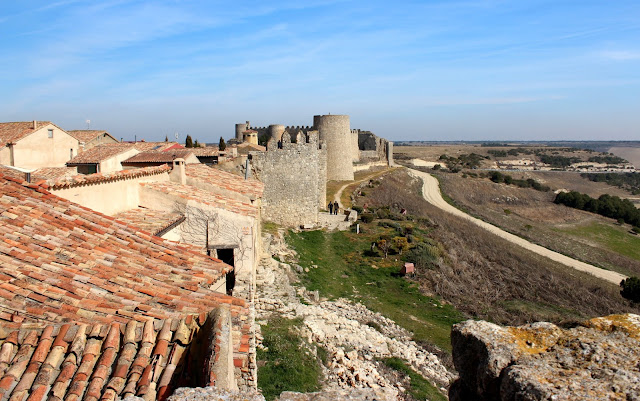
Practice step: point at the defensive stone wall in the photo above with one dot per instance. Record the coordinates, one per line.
(295, 175)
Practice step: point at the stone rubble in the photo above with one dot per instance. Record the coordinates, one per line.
(347, 330)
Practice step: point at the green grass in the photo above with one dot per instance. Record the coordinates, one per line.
(420, 388)
(270, 227)
(616, 239)
(288, 363)
(345, 272)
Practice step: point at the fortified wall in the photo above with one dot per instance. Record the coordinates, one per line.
(294, 173)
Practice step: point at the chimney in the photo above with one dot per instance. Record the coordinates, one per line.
(178, 172)
(35, 124)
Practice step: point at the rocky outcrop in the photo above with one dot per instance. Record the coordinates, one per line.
(595, 361)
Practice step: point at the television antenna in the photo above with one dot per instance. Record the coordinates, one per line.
(88, 122)
(177, 135)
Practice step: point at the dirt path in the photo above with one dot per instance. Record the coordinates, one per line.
(431, 192)
(338, 193)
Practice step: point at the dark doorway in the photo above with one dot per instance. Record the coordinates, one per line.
(226, 255)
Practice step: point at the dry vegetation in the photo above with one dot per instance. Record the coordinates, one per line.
(489, 278)
(533, 215)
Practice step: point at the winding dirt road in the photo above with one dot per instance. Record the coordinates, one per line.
(431, 193)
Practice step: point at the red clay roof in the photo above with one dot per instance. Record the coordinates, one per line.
(14, 131)
(87, 179)
(206, 151)
(87, 135)
(159, 157)
(149, 220)
(192, 193)
(157, 146)
(100, 153)
(53, 173)
(60, 261)
(226, 180)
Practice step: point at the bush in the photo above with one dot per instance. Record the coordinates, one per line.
(636, 230)
(631, 288)
(367, 217)
(358, 209)
(436, 167)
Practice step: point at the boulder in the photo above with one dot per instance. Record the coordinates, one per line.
(540, 361)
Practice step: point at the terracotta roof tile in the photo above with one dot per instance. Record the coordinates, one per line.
(150, 220)
(158, 157)
(192, 193)
(89, 255)
(100, 153)
(206, 151)
(14, 131)
(157, 146)
(225, 180)
(87, 179)
(87, 135)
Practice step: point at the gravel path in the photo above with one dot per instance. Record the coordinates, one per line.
(431, 192)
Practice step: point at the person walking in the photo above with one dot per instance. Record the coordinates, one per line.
(335, 207)
(330, 206)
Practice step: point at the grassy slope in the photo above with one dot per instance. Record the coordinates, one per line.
(614, 238)
(344, 271)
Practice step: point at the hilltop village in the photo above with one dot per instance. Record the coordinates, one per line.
(129, 268)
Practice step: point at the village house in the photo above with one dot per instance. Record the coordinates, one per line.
(87, 139)
(103, 158)
(158, 158)
(35, 144)
(93, 308)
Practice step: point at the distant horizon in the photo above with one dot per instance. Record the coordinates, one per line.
(427, 70)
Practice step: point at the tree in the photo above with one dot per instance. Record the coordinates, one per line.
(196, 144)
(188, 143)
(166, 138)
(222, 145)
(631, 288)
(401, 244)
(384, 245)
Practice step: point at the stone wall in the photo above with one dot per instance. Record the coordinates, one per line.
(335, 132)
(295, 178)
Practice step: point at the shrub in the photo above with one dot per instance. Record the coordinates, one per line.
(436, 167)
(367, 217)
(636, 230)
(358, 209)
(631, 288)
(507, 212)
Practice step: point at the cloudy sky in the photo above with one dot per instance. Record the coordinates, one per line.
(407, 70)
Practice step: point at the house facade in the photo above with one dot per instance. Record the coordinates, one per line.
(35, 144)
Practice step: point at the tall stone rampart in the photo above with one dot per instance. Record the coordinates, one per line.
(335, 132)
(295, 178)
(240, 128)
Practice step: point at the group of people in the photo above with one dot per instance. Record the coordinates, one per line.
(333, 207)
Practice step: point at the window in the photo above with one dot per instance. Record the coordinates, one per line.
(70, 153)
(50, 133)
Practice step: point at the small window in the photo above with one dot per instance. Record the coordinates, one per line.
(70, 153)
(50, 133)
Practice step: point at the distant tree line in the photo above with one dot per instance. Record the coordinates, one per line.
(606, 205)
(628, 181)
(559, 161)
(607, 159)
(455, 164)
(499, 178)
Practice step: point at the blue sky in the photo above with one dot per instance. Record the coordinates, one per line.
(406, 70)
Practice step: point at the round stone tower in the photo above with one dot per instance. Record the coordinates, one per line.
(240, 128)
(335, 131)
(276, 131)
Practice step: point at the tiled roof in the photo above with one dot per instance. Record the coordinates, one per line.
(157, 146)
(53, 173)
(100, 153)
(158, 157)
(87, 135)
(86, 179)
(14, 131)
(63, 262)
(232, 182)
(149, 220)
(246, 147)
(98, 362)
(19, 174)
(192, 193)
(206, 151)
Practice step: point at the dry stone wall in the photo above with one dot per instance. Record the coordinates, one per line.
(295, 178)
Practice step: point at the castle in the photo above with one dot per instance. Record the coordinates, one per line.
(298, 162)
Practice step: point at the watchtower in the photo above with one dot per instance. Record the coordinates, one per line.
(335, 131)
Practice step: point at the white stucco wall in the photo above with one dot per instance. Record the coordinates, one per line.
(109, 197)
(114, 163)
(38, 150)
